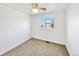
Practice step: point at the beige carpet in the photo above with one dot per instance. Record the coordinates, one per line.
(35, 47)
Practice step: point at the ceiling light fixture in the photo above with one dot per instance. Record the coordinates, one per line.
(35, 10)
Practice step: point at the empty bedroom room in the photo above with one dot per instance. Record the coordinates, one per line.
(38, 29)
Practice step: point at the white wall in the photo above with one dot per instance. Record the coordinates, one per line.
(14, 28)
(57, 34)
(73, 29)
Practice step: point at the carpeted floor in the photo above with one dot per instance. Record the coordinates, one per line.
(35, 47)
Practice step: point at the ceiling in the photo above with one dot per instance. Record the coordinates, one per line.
(27, 7)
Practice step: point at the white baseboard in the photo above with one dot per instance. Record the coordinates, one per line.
(48, 40)
(2, 52)
(68, 49)
(65, 44)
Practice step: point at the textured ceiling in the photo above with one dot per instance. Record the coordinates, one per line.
(26, 7)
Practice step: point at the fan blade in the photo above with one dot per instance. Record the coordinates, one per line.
(43, 8)
(34, 5)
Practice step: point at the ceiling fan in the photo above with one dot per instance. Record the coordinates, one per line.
(36, 8)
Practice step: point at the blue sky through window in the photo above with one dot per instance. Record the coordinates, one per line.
(48, 20)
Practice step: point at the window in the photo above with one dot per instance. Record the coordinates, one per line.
(47, 22)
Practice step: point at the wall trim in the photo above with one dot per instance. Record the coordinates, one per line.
(67, 47)
(25, 39)
(56, 43)
(48, 40)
